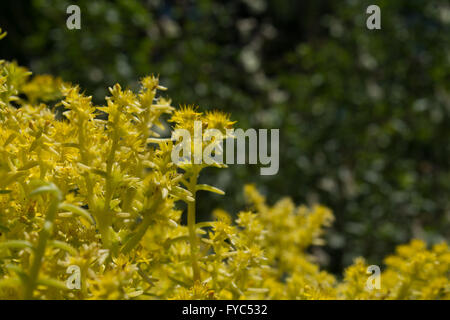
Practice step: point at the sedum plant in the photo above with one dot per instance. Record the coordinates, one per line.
(95, 187)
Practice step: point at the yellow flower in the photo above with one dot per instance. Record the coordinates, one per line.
(218, 120)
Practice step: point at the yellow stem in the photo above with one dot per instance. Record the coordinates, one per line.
(193, 240)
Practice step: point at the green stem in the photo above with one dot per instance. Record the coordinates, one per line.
(42, 244)
(193, 240)
(106, 220)
(136, 238)
(85, 160)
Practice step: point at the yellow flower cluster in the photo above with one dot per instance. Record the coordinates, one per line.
(412, 273)
(95, 187)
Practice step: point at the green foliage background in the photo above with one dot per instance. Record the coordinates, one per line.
(364, 116)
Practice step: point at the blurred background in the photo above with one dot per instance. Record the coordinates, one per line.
(364, 115)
